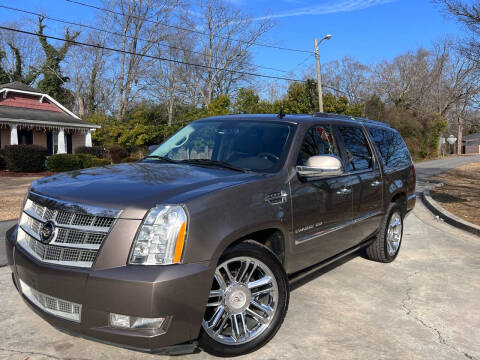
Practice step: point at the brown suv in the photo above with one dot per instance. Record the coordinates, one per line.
(199, 241)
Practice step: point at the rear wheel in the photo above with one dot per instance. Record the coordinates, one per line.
(247, 303)
(386, 246)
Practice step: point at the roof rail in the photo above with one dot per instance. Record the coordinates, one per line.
(349, 117)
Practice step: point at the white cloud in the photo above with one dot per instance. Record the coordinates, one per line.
(330, 7)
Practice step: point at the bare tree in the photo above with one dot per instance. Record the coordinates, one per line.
(229, 36)
(139, 22)
(350, 77)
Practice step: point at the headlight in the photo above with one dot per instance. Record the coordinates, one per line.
(161, 236)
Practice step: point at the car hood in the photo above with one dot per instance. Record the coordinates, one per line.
(136, 187)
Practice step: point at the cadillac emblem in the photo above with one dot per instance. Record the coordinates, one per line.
(47, 232)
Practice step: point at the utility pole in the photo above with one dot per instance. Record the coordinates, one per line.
(319, 75)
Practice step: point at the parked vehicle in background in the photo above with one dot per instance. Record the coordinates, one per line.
(200, 239)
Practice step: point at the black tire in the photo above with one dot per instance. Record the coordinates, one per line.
(378, 250)
(258, 252)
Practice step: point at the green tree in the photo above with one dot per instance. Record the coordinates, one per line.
(246, 101)
(53, 80)
(302, 98)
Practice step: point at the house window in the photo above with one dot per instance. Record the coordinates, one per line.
(52, 143)
(25, 137)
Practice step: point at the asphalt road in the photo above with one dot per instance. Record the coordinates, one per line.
(426, 169)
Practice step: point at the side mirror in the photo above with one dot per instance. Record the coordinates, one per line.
(321, 166)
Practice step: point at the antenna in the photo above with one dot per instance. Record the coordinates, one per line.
(281, 115)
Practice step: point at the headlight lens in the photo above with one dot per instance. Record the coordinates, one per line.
(161, 236)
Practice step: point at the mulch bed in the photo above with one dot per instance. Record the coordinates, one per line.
(21, 174)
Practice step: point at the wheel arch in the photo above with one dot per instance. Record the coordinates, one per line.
(269, 236)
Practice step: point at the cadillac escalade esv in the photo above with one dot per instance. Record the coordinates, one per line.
(197, 243)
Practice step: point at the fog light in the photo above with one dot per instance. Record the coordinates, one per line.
(134, 322)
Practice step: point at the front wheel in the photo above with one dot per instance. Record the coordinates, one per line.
(247, 303)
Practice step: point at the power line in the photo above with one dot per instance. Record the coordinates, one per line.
(74, 42)
(127, 36)
(190, 30)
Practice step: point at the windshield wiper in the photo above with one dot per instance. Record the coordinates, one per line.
(161, 158)
(208, 162)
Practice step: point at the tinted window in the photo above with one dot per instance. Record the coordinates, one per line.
(318, 141)
(250, 145)
(357, 151)
(394, 152)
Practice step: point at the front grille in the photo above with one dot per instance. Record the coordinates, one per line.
(77, 236)
(52, 305)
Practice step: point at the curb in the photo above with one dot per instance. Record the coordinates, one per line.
(448, 217)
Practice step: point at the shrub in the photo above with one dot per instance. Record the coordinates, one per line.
(2, 162)
(129, 159)
(117, 153)
(63, 162)
(96, 151)
(25, 158)
(100, 162)
(86, 160)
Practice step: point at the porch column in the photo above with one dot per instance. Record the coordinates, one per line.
(88, 138)
(13, 135)
(61, 142)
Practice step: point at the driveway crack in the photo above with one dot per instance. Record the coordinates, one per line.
(409, 312)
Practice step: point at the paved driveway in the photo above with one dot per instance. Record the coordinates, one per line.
(422, 306)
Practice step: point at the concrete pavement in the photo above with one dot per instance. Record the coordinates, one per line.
(422, 306)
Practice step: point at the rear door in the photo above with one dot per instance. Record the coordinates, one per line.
(361, 163)
(322, 207)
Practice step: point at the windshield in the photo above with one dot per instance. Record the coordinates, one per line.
(249, 145)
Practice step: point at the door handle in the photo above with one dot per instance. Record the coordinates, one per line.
(344, 191)
(376, 183)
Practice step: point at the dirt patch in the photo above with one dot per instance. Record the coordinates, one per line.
(7, 173)
(12, 193)
(461, 193)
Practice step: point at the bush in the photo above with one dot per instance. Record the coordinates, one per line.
(96, 151)
(117, 153)
(63, 162)
(2, 162)
(86, 160)
(129, 159)
(100, 162)
(25, 158)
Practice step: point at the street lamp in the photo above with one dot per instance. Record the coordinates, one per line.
(319, 76)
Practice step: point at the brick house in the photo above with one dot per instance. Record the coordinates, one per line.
(28, 116)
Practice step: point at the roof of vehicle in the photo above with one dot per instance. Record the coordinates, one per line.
(297, 118)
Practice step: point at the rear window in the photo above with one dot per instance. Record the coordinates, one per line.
(394, 152)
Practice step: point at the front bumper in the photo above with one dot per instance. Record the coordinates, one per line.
(178, 292)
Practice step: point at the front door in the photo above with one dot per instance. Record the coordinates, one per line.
(321, 208)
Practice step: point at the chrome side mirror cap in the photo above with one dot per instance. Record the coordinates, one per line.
(321, 166)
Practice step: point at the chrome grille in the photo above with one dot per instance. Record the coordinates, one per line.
(77, 237)
(50, 304)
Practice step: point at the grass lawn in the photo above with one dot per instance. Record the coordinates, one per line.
(12, 192)
(461, 193)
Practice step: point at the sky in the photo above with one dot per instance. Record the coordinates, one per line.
(368, 30)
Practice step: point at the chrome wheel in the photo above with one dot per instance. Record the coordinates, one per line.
(242, 302)
(394, 233)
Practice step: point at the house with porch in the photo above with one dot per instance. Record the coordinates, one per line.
(28, 116)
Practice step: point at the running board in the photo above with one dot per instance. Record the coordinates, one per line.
(299, 275)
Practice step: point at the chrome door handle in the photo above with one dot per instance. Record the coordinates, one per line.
(344, 191)
(376, 183)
